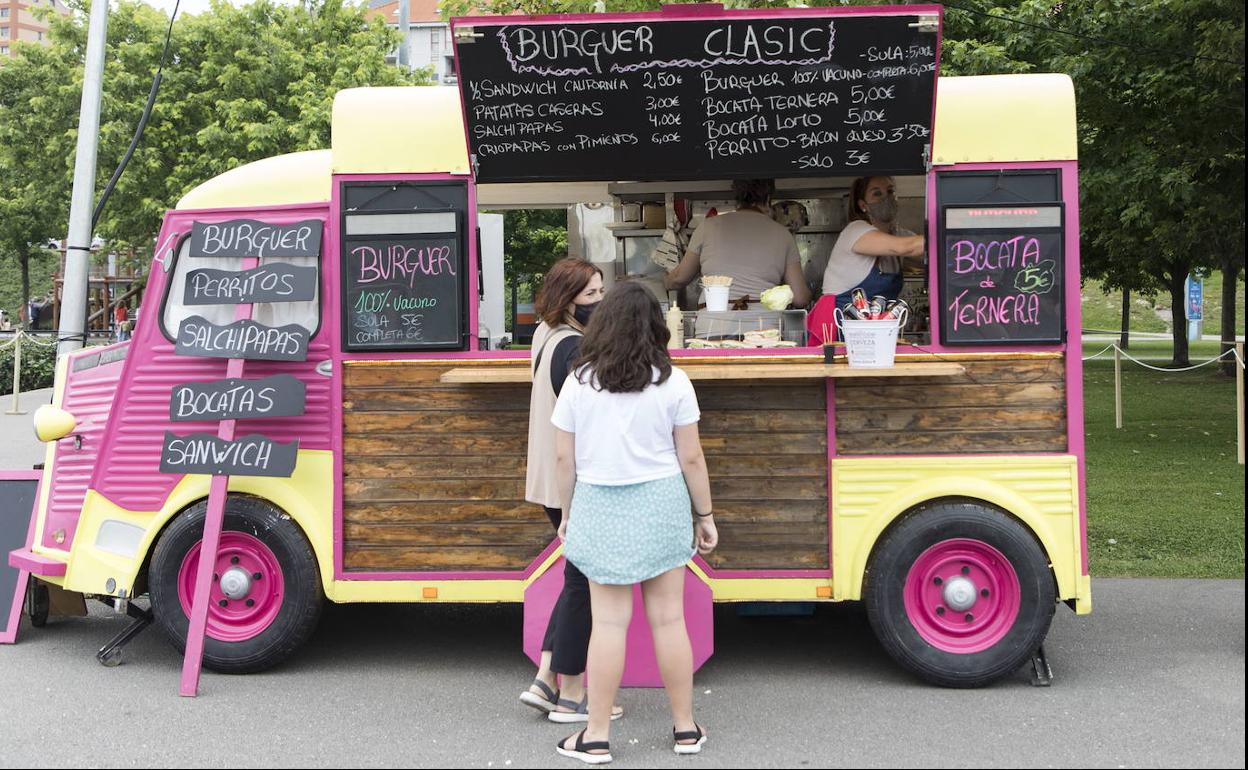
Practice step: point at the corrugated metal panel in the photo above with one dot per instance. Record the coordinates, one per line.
(89, 398)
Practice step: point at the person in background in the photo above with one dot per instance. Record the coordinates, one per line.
(630, 468)
(571, 291)
(121, 319)
(870, 249)
(748, 245)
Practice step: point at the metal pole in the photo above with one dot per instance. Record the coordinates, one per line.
(17, 380)
(1117, 387)
(78, 247)
(405, 25)
(1239, 403)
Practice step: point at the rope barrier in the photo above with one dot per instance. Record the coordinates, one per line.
(1098, 355)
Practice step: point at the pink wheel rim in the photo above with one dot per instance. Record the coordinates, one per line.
(962, 596)
(247, 600)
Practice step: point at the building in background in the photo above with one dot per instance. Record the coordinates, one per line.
(18, 22)
(428, 37)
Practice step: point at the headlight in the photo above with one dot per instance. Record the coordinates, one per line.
(52, 423)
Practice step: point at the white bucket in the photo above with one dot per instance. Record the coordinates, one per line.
(870, 344)
(716, 297)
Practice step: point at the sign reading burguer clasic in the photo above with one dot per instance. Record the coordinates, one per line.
(238, 399)
(253, 238)
(1001, 274)
(252, 455)
(197, 336)
(817, 92)
(277, 282)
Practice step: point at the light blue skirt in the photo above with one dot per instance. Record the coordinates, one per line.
(627, 534)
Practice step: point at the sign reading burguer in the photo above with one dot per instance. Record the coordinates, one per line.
(197, 336)
(1001, 274)
(402, 292)
(235, 398)
(658, 98)
(253, 238)
(252, 455)
(278, 282)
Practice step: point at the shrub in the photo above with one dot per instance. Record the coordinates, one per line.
(38, 367)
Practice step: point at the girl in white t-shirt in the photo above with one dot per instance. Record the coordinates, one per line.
(630, 466)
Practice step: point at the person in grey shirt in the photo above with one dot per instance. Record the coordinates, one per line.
(748, 245)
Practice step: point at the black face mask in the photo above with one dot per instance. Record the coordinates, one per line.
(582, 312)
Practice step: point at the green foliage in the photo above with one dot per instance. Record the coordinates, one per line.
(38, 367)
(535, 239)
(242, 84)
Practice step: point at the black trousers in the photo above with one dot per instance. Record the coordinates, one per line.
(567, 633)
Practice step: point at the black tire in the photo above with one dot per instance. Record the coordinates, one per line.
(902, 546)
(301, 598)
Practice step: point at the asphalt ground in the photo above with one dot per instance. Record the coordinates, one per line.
(1153, 678)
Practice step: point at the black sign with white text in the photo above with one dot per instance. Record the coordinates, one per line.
(278, 282)
(253, 238)
(197, 336)
(238, 399)
(252, 455)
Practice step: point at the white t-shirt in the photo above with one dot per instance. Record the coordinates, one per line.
(625, 438)
(847, 267)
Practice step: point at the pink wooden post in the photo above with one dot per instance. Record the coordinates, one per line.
(213, 521)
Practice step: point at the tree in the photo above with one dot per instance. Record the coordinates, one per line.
(241, 84)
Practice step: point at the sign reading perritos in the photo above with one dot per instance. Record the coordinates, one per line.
(1001, 274)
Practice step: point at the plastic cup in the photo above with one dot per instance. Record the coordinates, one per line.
(716, 297)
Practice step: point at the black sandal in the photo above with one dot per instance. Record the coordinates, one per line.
(544, 705)
(580, 750)
(696, 735)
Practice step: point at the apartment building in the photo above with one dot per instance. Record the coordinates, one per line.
(19, 22)
(428, 37)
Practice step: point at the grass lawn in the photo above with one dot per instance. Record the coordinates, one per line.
(1103, 311)
(1165, 493)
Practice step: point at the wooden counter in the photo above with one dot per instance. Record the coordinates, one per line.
(736, 369)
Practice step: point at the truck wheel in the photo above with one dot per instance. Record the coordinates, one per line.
(960, 594)
(265, 597)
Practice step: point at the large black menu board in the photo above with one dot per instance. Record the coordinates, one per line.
(402, 292)
(1001, 274)
(812, 93)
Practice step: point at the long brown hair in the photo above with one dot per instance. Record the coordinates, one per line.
(859, 192)
(625, 341)
(565, 279)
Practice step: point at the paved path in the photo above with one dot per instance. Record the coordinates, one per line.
(1153, 678)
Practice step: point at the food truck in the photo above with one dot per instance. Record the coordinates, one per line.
(329, 302)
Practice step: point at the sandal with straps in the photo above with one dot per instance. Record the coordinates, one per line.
(545, 705)
(696, 735)
(581, 750)
(579, 712)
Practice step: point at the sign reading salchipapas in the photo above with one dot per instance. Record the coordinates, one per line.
(252, 455)
(197, 336)
(818, 93)
(253, 238)
(1001, 274)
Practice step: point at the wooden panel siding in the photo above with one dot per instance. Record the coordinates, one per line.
(997, 405)
(434, 473)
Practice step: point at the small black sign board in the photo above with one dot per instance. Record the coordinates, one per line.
(244, 339)
(1001, 274)
(253, 238)
(251, 455)
(278, 282)
(238, 399)
(18, 491)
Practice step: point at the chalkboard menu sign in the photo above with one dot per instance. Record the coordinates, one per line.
(253, 238)
(251, 455)
(403, 292)
(1001, 274)
(820, 93)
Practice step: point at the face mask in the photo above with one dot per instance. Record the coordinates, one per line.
(582, 312)
(883, 211)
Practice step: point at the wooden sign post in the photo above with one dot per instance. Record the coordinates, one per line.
(234, 398)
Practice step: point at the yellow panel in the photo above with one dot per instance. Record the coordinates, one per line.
(1004, 118)
(868, 494)
(398, 130)
(300, 177)
(307, 497)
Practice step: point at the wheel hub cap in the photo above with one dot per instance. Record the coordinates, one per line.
(959, 594)
(236, 583)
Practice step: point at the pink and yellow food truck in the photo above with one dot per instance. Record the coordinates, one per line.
(379, 449)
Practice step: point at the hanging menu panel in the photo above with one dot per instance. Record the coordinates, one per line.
(665, 99)
(1001, 275)
(403, 292)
